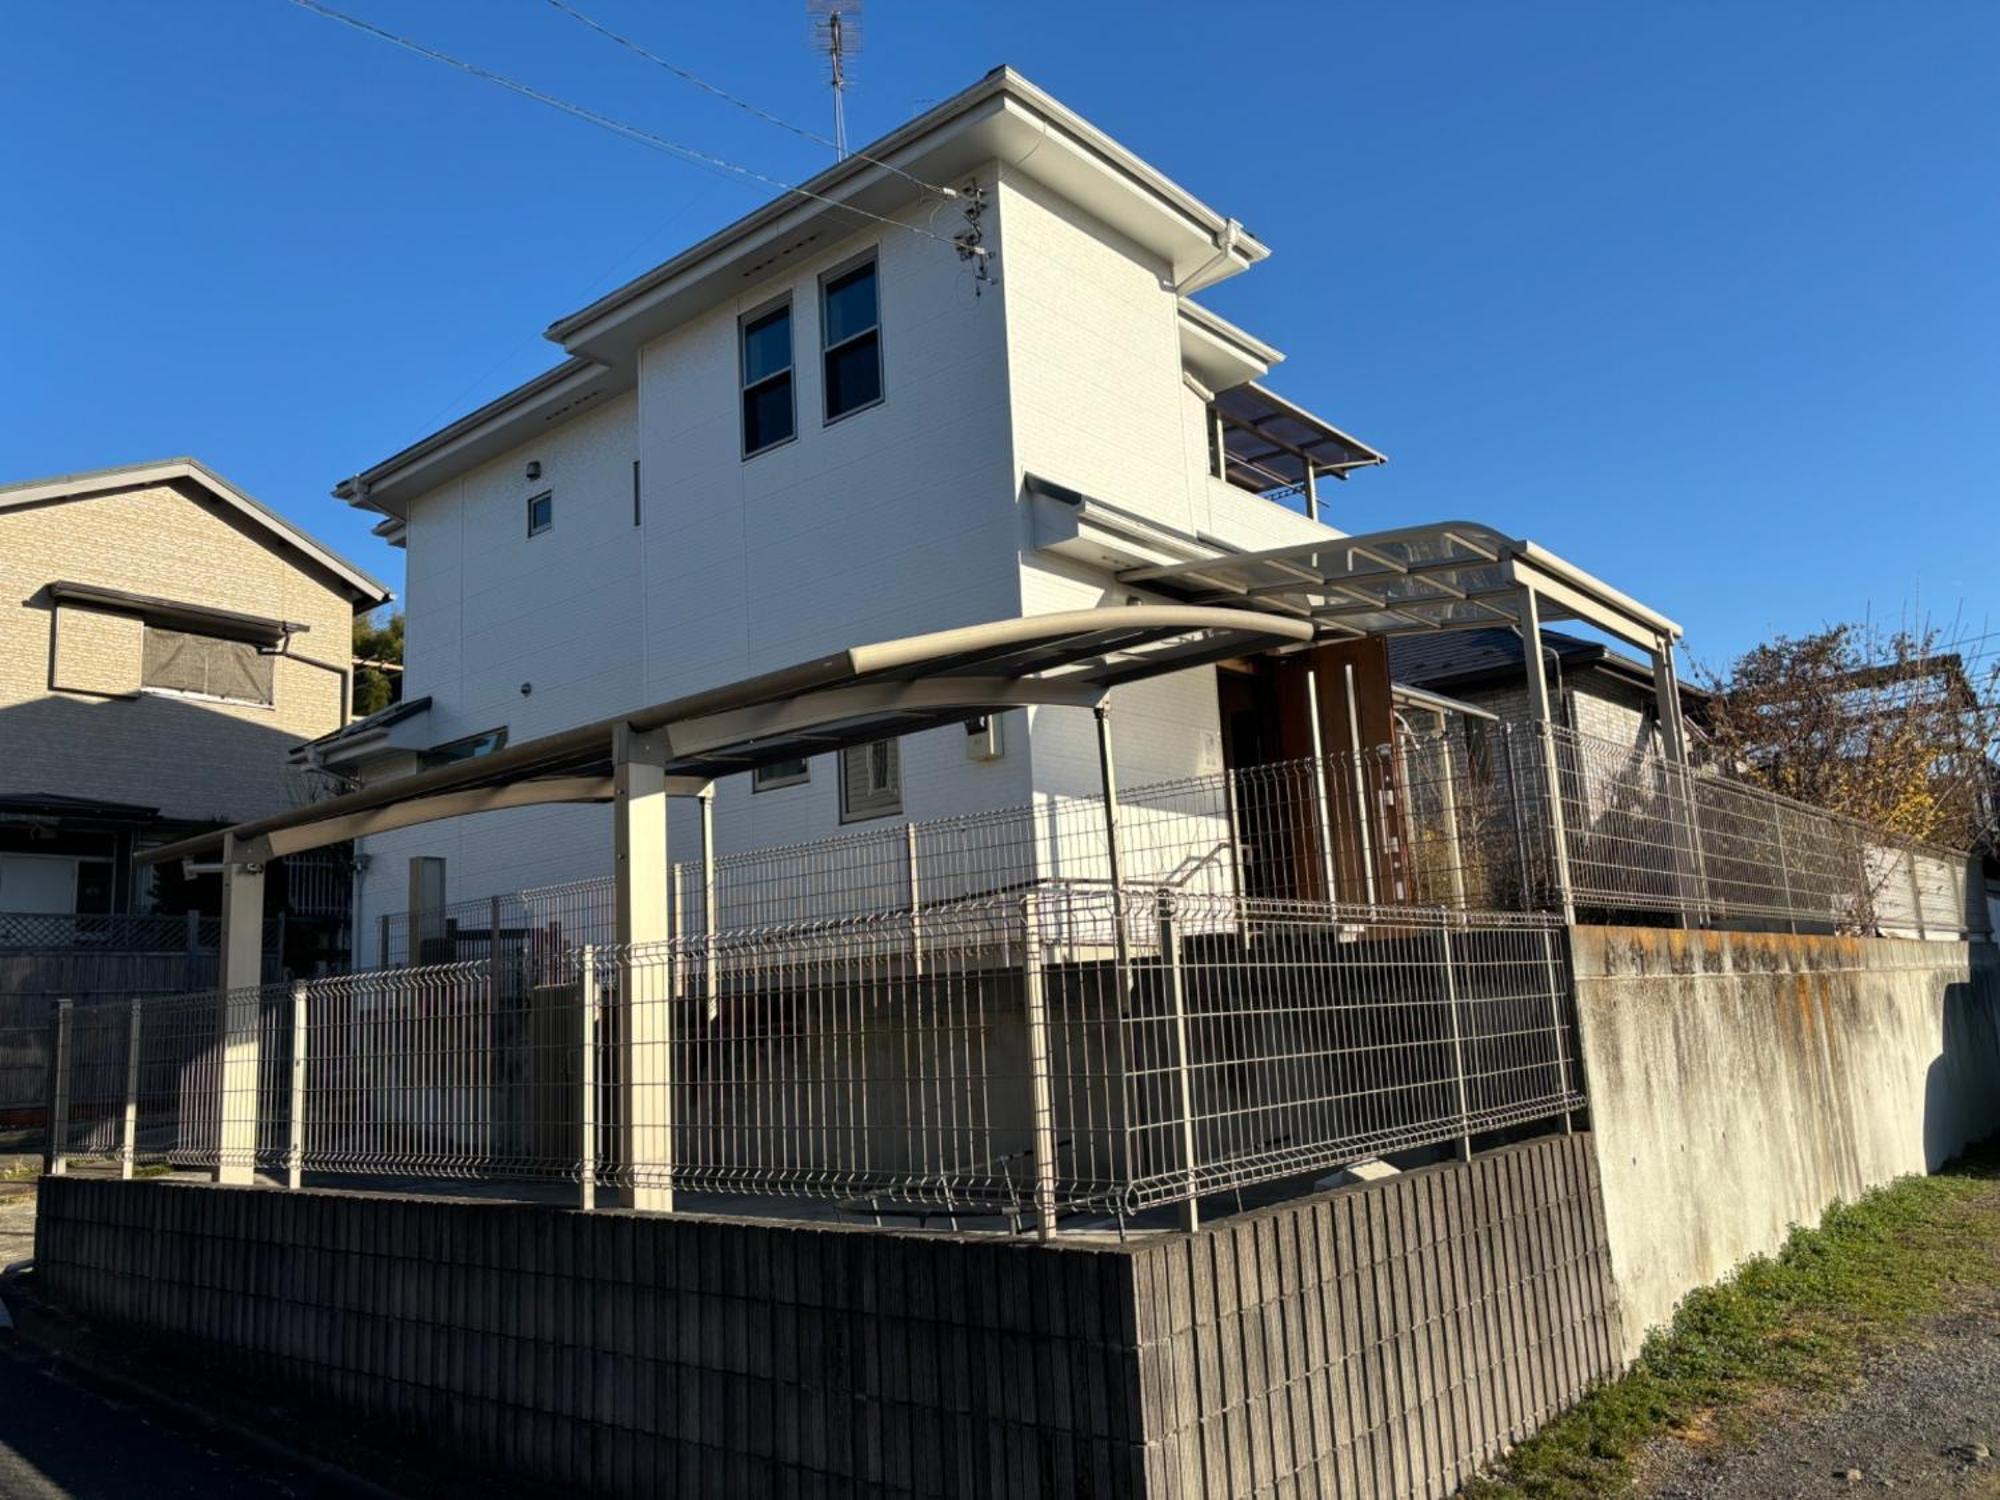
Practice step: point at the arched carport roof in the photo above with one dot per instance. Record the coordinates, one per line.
(851, 697)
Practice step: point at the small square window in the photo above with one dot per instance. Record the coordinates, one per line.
(780, 773)
(541, 513)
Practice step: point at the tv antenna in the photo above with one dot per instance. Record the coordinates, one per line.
(836, 31)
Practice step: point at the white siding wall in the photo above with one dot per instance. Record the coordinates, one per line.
(900, 519)
(892, 521)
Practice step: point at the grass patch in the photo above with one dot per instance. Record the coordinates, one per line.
(1794, 1323)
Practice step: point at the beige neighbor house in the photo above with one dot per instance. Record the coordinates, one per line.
(164, 640)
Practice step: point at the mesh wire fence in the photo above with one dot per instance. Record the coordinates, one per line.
(1459, 816)
(1643, 834)
(1009, 1056)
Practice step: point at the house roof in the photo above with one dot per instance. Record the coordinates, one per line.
(1001, 117)
(56, 805)
(363, 589)
(1460, 659)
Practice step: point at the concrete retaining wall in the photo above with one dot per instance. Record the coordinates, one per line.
(1742, 1083)
(1386, 1337)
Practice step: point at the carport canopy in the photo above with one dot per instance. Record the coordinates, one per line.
(851, 697)
(1446, 575)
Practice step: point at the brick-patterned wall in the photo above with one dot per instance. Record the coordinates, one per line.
(1379, 1340)
(188, 757)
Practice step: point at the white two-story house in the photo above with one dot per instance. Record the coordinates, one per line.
(867, 410)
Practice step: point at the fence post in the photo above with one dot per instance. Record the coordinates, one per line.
(916, 901)
(58, 1162)
(586, 1072)
(1170, 968)
(382, 941)
(712, 968)
(128, 1139)
(1916, 896)
(1322, 813)
(1457, 1045)
(295, 1141)
(1785, 867)
(1520, 816)
(1041, 1098)
(1556, 1024)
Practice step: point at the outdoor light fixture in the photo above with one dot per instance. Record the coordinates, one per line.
(534, 468)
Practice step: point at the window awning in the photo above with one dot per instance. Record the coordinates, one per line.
(202, 619)
(852, 697)
(1450, 575)
(1267, 442)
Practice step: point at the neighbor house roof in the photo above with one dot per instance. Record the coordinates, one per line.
(42, 805)
(364, 590)
(1459, 659)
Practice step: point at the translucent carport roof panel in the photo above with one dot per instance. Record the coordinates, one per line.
(1267, 441)
(1449, 576)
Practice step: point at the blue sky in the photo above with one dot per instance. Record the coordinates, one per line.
(1704, 296)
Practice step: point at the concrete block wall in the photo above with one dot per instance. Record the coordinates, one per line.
(616, 1353)
(1383, 1339)
(1741, 1083)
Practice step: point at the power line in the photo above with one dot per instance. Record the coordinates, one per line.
(619, 127)
(743, 104)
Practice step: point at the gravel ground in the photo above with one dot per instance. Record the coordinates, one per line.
(1913, 1425)
(17, 1222)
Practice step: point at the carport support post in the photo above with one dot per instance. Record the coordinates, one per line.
(295, 1135)
(1041, 1098)
(1107, 773)
(1449, 784)
(713, 968)
(1673, 736)
(640, 866)
(1538, 710)
(1322, 817)
(128, 1138)
(241, 980)
(59, 1026)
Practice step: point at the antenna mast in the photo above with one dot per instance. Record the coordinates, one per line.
(836, 31)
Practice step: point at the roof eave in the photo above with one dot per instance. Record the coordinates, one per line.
(363, 589)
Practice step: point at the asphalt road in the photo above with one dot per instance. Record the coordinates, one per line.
(59, 1441)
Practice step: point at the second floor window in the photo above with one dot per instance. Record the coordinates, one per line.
(205, 666)
(541, 513)
(767, 380)
(851, 328)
